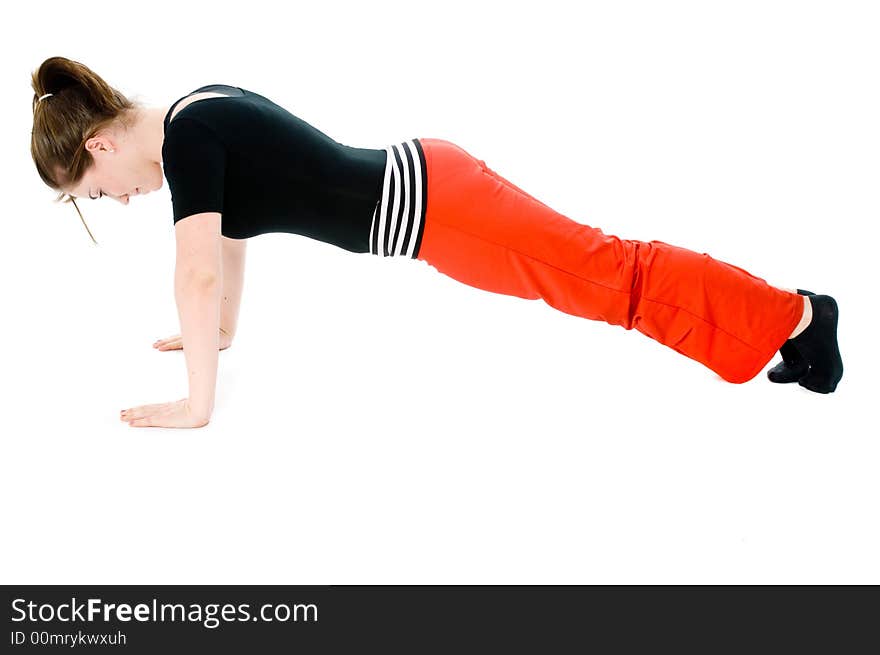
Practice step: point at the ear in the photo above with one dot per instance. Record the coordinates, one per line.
(199, 249)
(97, 143)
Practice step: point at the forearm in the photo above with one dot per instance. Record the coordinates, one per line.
(198, 306)
(233, 282)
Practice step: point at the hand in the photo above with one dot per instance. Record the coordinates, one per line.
(176, 414)
(176, 342)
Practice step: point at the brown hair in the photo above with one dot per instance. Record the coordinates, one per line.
(81, 105)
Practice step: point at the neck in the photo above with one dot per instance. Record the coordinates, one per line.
(151, 131)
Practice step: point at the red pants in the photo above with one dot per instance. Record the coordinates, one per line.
(485, 231)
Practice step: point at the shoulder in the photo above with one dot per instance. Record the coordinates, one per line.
(193, 97)
(186, 127)
(188, 136)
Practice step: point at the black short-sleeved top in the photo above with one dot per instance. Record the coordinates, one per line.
(265, 170)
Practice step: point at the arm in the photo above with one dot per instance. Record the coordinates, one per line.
(198, 279)
(233, 282)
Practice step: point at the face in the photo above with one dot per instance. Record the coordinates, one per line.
(120, 174)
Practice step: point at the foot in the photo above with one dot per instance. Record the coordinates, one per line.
(793, 365)
(818, 344)
(788, 371)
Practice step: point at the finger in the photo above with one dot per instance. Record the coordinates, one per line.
(171, 345)
(141, 411)
(140, 423)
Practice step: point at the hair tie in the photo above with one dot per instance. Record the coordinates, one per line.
(44, 96)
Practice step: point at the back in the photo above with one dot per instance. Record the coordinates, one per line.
(266, 170)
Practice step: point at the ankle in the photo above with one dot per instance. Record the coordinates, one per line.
(806, 317)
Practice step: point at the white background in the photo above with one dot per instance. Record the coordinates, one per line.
(379, 422)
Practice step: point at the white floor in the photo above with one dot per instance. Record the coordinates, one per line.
(378, 422)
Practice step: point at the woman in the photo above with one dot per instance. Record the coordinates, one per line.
(239, 165)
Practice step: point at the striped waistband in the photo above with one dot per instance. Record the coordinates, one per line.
(399, 217)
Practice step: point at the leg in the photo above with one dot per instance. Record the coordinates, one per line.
(805, 319)
(793, 365)
(483, 230)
